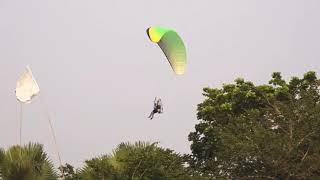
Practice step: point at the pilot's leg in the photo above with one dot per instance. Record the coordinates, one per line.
(151, 115)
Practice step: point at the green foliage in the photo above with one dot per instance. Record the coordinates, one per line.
(68, 173)
(267, 131)
(29, 162)
(136, 161)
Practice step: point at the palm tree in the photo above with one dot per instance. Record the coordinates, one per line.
(29, 162)
(140, 160)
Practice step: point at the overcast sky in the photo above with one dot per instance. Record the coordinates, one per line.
(98, 72)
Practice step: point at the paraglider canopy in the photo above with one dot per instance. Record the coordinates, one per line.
(26, 87)
(172, 46)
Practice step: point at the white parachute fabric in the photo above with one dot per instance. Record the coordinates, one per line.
(26, 87)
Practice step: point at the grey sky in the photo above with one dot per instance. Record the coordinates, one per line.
(99, 73)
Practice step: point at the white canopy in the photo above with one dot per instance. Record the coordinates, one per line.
(27, 87)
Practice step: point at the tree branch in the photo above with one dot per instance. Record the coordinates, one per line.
(305, 137)
(305, 154)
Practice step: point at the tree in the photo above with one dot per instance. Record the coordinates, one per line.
(68, 172)
(29, 162)
(136, 161)
(263, 132)
(98, 168)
